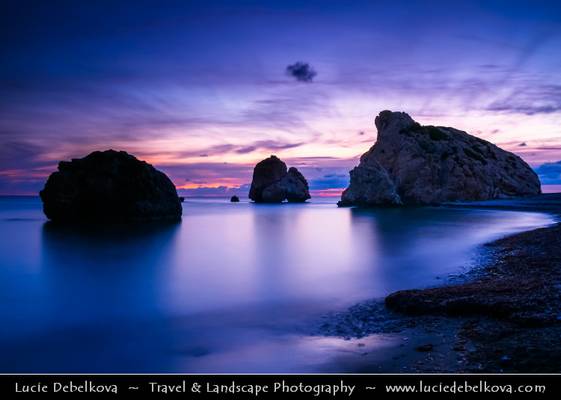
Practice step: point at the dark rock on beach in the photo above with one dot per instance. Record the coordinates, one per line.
(522, 286)
(234, 199)
(413, 164)
(109, 186)
(273, 183)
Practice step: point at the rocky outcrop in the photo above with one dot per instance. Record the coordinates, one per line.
(370, 186)
(273, 183)
(234, 199)
(420, 165)
(109, 186)
(296, 185)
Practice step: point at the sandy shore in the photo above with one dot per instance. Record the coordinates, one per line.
(505, 316)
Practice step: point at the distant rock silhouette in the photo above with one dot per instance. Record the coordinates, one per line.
(234, 199)
(108, 186)
(272, 183)
(419, 165)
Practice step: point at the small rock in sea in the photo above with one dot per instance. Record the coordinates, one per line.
(234, 199)
(273, 183)
(424, 347)
(181, 199)
(109, 186)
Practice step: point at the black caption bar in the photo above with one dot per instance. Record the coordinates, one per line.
(278, 386)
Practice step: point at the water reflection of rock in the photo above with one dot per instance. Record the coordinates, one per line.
(120, 264)
(103, 287)
(272, 277)
(414, 242)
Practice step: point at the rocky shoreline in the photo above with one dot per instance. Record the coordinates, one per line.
(504, 317)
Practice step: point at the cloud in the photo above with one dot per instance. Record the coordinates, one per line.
(225, 148)
(271, 145)
(550, 173)
(330, 181)
(220, 191)
(288, 110)
(530, 99)
(23, 167)
(208, 173)
(301, 71)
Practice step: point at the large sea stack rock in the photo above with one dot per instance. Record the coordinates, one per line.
(420, 165)
(109, 186)
(273, 183)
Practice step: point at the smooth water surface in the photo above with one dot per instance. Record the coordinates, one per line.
(232, 288)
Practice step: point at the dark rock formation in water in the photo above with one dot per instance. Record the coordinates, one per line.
(370, 185)
(417, 165)
(296, 185)
(273, 183)
(109, 186)
(234, 199)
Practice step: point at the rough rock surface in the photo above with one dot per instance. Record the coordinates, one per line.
(296, 186)
(521, 286)
(432, 165)
(273, 183)
(370, 186)
(109, 186)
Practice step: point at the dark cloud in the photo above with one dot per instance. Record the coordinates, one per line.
(301, 71)
(550, 173)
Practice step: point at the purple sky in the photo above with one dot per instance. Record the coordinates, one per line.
(201, 89)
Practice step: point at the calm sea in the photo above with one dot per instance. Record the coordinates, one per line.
(232, 288)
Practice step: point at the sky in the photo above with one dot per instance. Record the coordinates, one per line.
(205, 89)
